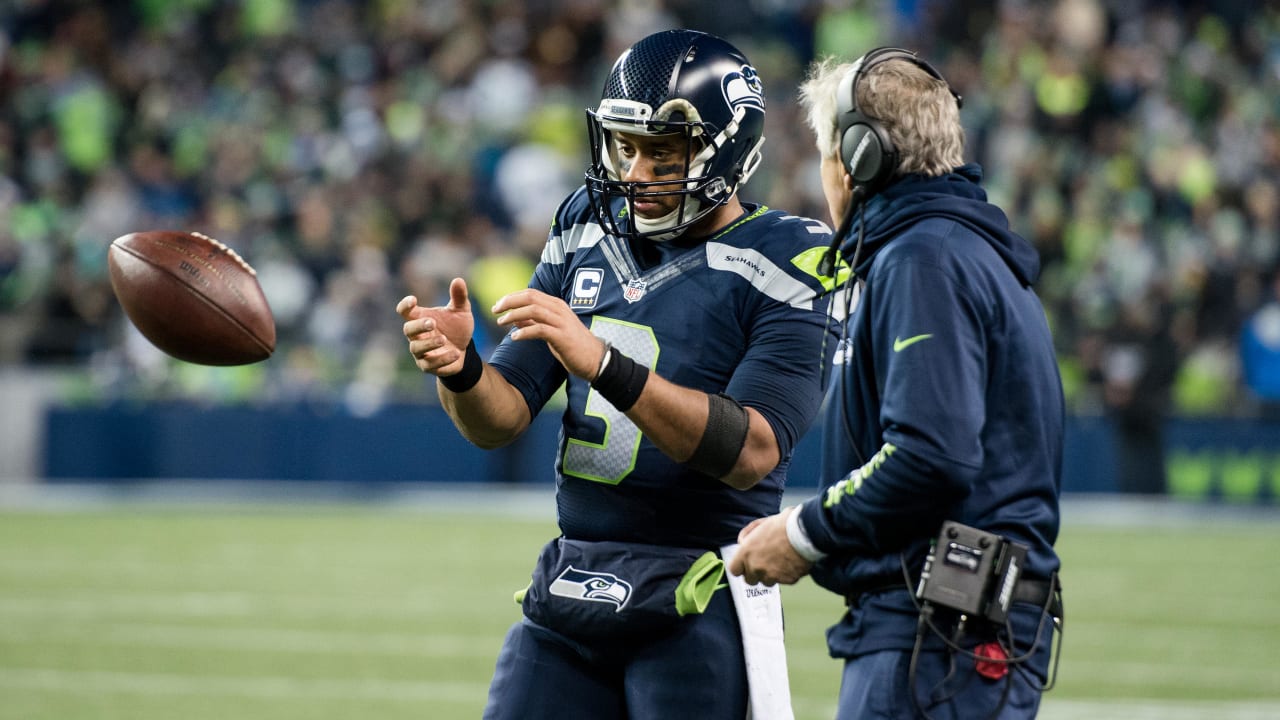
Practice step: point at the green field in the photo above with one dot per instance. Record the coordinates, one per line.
(274, 612)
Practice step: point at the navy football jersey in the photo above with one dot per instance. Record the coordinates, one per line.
(741, 312)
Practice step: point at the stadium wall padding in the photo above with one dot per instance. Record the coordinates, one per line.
(1233, 459)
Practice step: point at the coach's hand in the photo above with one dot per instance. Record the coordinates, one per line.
(765, 555)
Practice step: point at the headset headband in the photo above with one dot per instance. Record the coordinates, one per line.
(847, 96)
(866, 150)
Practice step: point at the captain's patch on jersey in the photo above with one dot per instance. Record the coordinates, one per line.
(586, 287)
(594, 586)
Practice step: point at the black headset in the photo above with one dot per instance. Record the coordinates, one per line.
(865, 148)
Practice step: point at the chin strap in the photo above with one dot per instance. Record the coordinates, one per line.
(690, 207)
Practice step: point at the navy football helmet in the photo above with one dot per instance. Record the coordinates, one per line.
(676, 82)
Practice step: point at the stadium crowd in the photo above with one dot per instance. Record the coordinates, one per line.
(355, 152)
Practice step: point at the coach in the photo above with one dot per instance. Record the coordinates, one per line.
(943, 438)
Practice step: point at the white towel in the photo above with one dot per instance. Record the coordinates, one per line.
(759, 609)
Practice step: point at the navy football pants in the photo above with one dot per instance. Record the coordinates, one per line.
(696, 670)
(876, 687)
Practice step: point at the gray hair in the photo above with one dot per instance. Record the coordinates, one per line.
(916, 109)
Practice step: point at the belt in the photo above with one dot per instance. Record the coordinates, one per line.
(1033, 591)
(875, 586)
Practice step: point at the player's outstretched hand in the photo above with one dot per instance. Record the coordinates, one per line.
(438, 336)
(765, 554)
(535, 315)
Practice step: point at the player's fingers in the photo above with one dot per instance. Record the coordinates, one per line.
(419, 348)
(518, 299)
(406, 305)
(441, 359)
(423, 343)
(506, 302)
(527, 315)
(414, 328)
(535, 312)
(458, 294)
(434, 358)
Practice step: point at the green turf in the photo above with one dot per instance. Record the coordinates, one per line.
(368, 612)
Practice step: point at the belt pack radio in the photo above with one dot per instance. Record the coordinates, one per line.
(972, 571)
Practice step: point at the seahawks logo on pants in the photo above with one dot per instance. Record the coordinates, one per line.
(594, 586)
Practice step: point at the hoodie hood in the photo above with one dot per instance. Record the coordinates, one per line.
(956, 195)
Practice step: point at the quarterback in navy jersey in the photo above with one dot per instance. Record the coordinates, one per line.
(690, 331)
(730, 313)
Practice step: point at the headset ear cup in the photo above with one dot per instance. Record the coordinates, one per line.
(868, 153)
(861, 151)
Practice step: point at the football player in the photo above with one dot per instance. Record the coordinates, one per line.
(690, 330)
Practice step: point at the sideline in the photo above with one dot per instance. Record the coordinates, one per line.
(530, 501)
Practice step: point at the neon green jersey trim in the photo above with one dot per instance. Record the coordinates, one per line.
(519, 594)
(809, 260)
(759, 211)
(848, 486)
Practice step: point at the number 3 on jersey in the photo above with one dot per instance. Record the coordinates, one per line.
(610, 460)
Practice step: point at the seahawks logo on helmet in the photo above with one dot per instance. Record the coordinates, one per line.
(743, 88)
(578, 584)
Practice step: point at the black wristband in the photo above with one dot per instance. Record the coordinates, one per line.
(621, 381)
(469, 375)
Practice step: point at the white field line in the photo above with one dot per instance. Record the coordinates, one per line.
(534, 501)
(81, 682)
(256, 640)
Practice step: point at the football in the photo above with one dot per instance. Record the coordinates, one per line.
(192, 296)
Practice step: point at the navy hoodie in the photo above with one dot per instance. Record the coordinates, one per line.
(946, 402)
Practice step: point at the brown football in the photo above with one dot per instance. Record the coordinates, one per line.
(192, 297)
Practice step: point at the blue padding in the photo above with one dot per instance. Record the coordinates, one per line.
(412, 443)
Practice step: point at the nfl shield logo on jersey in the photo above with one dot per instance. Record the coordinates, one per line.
(634, 290)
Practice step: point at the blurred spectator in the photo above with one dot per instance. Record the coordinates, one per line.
(357, 152)
(1260, 353)
(1138, 372)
